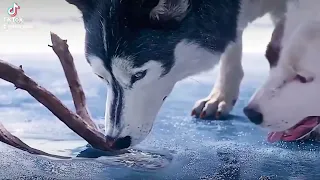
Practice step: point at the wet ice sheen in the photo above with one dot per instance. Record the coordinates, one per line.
(179, 147)
(139, 160)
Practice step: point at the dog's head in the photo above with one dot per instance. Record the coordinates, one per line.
(130, 44)
(288, 102)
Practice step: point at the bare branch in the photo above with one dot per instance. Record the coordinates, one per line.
(60, 47)
(81, 123)
(17, 77)
(8, 138)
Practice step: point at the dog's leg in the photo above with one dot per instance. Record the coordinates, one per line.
(226, 89)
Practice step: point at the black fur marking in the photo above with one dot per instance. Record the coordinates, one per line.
(211, 23)
(84, 6)
(274, 47)
(138, 76)
(116, 103)
(123, 28)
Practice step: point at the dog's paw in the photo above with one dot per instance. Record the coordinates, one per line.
(216, 106)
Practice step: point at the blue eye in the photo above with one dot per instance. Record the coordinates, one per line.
(138, 76)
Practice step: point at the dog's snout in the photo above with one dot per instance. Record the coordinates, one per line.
(119, 143)
(254, 115)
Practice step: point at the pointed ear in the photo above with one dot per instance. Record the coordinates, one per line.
(169, 10)
(82, 5)
(274, 47)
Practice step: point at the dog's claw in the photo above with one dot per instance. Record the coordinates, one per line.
(202, 114)
(218, 115)
(193, 113)
(216, 106)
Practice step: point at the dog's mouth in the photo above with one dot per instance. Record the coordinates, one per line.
(300, 131)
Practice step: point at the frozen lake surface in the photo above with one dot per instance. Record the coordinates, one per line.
(179, 146)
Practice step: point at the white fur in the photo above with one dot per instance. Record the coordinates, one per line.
(283, 101)
(143, 101)
(226, 88)
(98, 67)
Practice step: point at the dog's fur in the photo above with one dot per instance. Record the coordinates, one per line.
(291, 92)
(141, 48)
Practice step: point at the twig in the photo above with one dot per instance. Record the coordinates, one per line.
(8, 138)
(81, 123)
(17, 77)
(60, 47)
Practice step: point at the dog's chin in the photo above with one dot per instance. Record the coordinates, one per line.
(303, 130)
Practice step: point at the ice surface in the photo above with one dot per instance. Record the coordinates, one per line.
(179, 147)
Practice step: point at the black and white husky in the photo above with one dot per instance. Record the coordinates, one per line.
(142, 48)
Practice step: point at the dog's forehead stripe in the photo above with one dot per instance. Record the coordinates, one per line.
(116, 103)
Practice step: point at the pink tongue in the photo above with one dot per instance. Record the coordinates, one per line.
(295, 132)
(275, 136)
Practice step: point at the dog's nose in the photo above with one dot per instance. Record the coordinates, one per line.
(254, 115)
(119, 143)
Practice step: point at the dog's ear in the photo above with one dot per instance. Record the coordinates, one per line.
(165, 13)
(82, 5)
(168, 10)
(274, 47)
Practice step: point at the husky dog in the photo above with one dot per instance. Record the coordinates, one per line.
(142, 48)
(287, 103)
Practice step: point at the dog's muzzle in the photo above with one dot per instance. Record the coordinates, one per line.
(119, 143)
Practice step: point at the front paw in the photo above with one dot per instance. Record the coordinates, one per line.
(216, 106)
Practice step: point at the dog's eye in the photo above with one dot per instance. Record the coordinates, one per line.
(138, 76)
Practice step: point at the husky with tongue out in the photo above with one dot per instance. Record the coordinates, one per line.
(287, 104)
